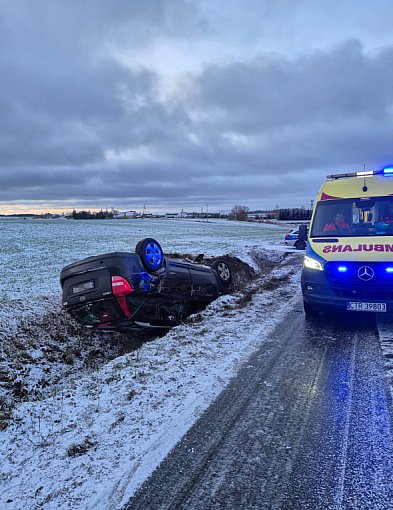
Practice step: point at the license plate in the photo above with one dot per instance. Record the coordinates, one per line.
(82, 287)
(366, 307)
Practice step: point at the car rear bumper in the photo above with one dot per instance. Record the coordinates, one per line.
(129, 325)
(107, 315)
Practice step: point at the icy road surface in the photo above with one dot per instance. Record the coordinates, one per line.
(306, 424)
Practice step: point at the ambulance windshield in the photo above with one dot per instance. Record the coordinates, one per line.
(362, 217)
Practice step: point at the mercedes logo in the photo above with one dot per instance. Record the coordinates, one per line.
(365, 273)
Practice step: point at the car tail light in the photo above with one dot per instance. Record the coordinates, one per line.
(104, 318)
(120, 288)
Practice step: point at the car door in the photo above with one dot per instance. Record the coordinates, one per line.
(175, 292)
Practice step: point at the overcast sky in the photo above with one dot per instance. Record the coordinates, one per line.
(178, 104)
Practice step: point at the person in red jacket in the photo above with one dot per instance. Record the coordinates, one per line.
(338, 223)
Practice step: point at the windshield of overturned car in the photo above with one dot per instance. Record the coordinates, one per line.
(362, 217)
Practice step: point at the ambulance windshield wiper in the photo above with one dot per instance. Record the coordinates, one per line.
(324, 239)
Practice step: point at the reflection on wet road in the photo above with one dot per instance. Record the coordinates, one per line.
(306, 424)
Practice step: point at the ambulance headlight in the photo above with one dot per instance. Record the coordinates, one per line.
(312, 264)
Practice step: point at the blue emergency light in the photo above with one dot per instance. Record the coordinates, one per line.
(343, 269)
(388, 170)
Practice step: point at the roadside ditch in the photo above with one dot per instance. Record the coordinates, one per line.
(41, 346)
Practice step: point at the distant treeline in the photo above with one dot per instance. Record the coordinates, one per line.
(242, 213)
(88, 215)
(18, 215)
(294, 214)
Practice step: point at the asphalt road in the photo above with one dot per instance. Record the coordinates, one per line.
(306, 424)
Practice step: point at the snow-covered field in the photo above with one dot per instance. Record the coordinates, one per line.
(34, 251)
(87, 417)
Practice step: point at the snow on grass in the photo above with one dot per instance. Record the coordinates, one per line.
(34, 251)
(93, 440)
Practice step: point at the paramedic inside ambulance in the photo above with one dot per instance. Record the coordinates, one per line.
(384, 224)
(338, 223)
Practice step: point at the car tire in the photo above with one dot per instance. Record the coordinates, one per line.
(309, 310)
(300, 245)
(151, 254)
(223, 272)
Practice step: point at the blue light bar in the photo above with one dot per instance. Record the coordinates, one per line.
(343, 269)
(389, 269)
(388, 170)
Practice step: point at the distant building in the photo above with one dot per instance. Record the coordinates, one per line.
(257, 215)
(125, 214)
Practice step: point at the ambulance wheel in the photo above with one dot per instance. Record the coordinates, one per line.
(309, 310)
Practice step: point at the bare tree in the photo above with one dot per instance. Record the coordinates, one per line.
(239, 213)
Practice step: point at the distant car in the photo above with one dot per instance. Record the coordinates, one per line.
(140, 291)
(292, 239)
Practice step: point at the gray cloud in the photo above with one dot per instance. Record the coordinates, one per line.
(265, 94)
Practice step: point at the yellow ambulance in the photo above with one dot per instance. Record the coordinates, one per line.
(348, 263)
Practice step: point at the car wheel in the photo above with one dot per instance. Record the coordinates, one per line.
(151, 254)
(309, 310)
(223, 271)
(300, 245)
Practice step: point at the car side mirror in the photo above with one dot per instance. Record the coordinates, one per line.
(303, 233)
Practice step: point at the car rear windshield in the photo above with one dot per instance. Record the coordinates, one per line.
(362, 217)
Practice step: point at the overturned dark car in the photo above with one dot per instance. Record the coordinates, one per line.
(140, 291)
